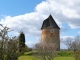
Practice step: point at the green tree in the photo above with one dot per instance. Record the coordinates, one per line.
(22, 42)
(8, 45)
(12, 51)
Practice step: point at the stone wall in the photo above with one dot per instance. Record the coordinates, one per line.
(51, 37)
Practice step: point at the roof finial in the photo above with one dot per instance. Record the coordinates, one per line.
(50, 15)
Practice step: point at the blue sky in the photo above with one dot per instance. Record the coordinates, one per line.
(29, 14)
(17, 7)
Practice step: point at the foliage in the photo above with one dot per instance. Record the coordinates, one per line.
(22, 43)
(77, 54)
(29, 49)
(65, 53)
(8, 45)
(12, 49)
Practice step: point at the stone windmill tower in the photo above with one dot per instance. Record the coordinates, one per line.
(50, 32)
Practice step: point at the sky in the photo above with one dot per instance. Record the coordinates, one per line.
(28, 15)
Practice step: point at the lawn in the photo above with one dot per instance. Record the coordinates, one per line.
(64, 58)
(28, 56)
(25, 58)
(56, 58)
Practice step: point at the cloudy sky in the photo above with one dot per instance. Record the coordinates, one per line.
(28, 15)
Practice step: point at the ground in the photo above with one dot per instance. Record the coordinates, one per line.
(62, 56)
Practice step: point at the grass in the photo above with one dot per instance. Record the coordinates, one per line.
(62, 56)
(27, 56)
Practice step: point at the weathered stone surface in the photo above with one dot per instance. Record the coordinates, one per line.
(50, 37)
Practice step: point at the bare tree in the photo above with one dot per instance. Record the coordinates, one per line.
(68, 42)
(46, 51)
(74, 46)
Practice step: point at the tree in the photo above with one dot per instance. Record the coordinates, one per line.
(46, 51)
(77, 55)
(8, 45)
(76, 43)
(21, 42)
(4, 39)
(74, 46)
(12, 49)
(68, 42)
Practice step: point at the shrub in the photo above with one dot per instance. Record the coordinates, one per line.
(65, 53)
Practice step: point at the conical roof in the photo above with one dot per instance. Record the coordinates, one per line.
(49, 23)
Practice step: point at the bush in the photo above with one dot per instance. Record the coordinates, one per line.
(65, 53)
(77, 55)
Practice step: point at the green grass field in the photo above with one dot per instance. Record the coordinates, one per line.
(64, 58)
(28, 56)
(56, 58)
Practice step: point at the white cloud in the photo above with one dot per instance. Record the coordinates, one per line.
(30, 22)
(43, 7)
(65, 37)
(29, 43)
(61, 10)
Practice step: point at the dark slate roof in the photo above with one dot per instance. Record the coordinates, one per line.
(49, 23)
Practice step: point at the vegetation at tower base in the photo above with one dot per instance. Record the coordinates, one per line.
(8, 45)
(63, 55)
(21, 43)
(45, 51)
